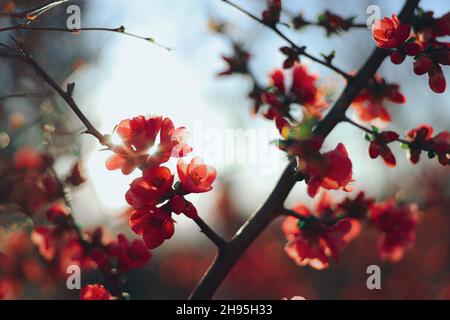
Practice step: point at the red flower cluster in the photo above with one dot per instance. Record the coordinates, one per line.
(95, 292)
(303, 91)
(271, 16)
(139, 135)
(428, 52)
(154, 196)
(390, 33)
(315, 239)
(369, 104)
(421, 139)
(27, 180)
(333, 23)
(237, 63)
(121, 255)
(396, 223)
(379, 147)
(331, 170)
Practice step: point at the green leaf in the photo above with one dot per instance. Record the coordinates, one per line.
(375, 129)
(301, 224)
(405, 146)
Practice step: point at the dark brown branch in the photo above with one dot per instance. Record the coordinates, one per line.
(23, 55)
(300, 50)
(211, 234)
(225, 261)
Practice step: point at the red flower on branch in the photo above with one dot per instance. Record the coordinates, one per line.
(357, 208)
(390, 33)
(420, 139)
(196, 177)
(331, 170)
(95, 292)
(237, 63)
(442, 147)
(397, 224)
(271, 16)
(303, 91)
(151, 188)
(138, 136)
(132, 255)
(312, 241)
(369, 104)
(155, 226)
(379, 147)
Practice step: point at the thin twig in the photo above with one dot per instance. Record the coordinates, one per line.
(300, 50)
(33, 13)
(23, 55)
(120, 30)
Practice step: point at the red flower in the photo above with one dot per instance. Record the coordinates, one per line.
(271, 16)
(155, 225)
(332, 171)
(396, 223)
(312, 241)
(369, 104)
(58, 213)
(130, 256)
(138, 135)
(379, 147)
(95, 292)
(303, 91)
(151, 188)
(436, 79)
(422, 65)
(420, 139)
(237, 63)
(196, 177)
(442, 147)
(334, 23)
(26, 158)
(124, 159)
(390, 33)
(77, 176)
(172, 144)
(46, 241)
(356, 208)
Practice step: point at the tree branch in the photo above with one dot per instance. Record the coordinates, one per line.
(120, 30)
(23, 55)
(224, 262)
(300, 50)
(211, 234)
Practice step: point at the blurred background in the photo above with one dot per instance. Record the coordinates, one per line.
(119, 77)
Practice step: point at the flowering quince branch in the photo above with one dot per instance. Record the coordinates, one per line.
(332, 23)
(152, 196)
(418, 140)
(295, 50)
(274, 205)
